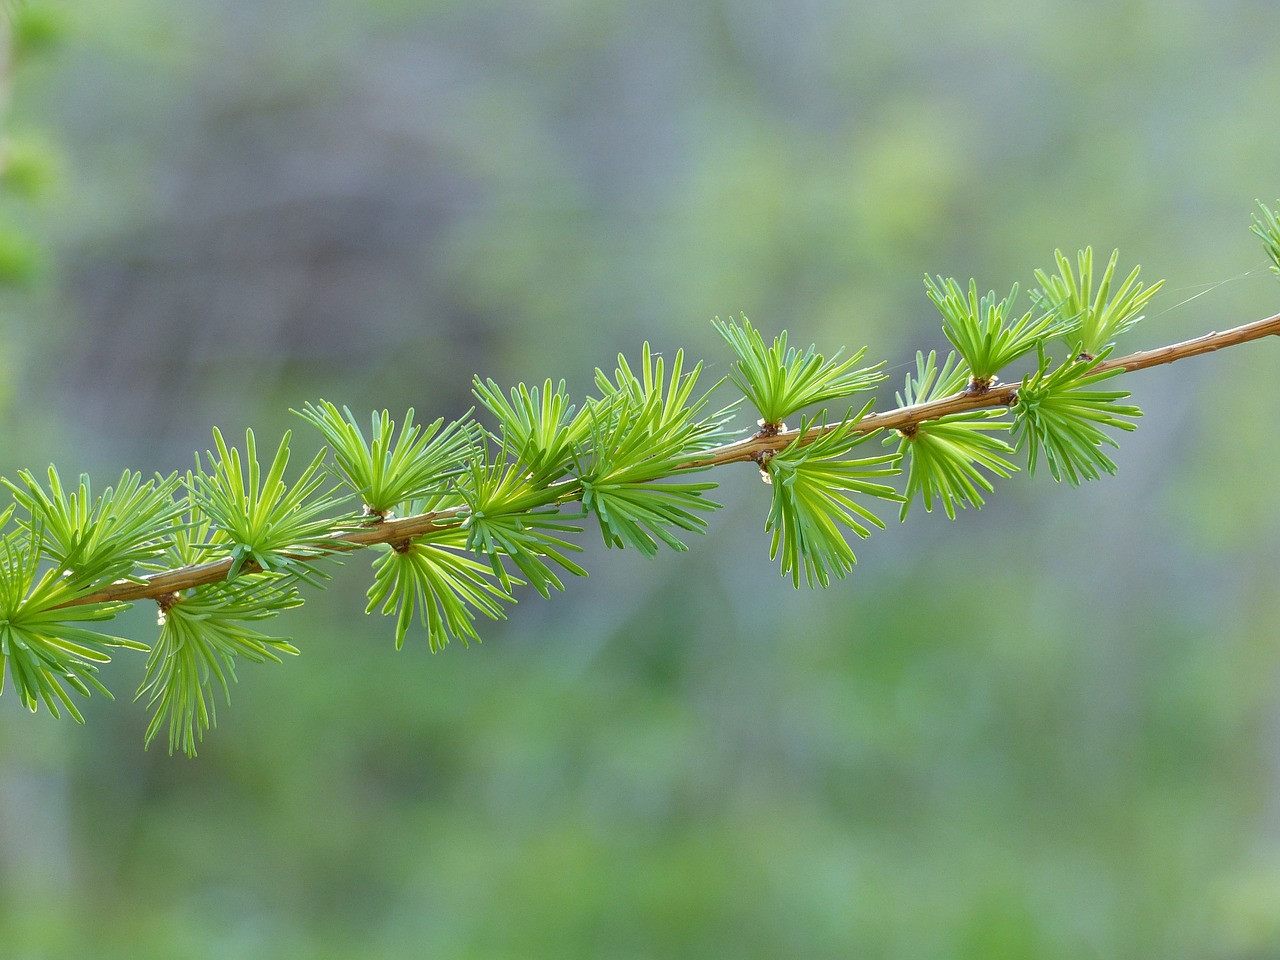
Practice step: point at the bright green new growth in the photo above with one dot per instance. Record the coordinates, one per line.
(42, 647)
(1056, 416)
(538, 426)
(1092, 321)
(812, 483)
(642, 429)
(980, 328)
(435, 577)
(95, 540)
(200, 639)
(510, 516)
(268, 523)
(384, 472)
(201, 636)
(779, 380)
(943, 455)
(1267, 226)
(463, 515)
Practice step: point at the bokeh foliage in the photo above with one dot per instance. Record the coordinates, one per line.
(1047, 729)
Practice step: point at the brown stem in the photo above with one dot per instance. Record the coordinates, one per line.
(168, 582)
(999, 395)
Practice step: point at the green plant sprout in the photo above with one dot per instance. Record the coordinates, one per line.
(462, 515)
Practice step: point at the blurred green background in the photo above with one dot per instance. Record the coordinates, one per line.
(1048, 730)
